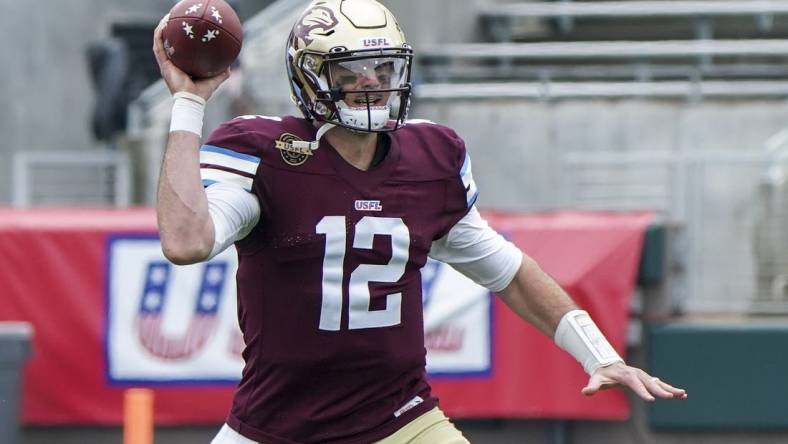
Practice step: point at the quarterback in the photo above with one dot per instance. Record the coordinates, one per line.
(333, 215)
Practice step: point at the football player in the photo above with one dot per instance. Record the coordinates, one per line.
(333, 215)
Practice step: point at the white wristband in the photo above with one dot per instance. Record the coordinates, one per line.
(188, 111)
(578, 334)
(190, 96)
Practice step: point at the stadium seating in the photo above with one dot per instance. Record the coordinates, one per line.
(700, 14)
(619, 40)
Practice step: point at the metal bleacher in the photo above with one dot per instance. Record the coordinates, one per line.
(619, 40)
(609, 89)
(503, 15)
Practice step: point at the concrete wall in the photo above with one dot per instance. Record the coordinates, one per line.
(437, 21)
(524, 141)
(46, 88)
(518, 149)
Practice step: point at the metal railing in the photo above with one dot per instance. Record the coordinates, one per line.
(635, 8)
(565, 90)
(733, 247)
(500, 18)
(608, 49)
(745, 59)
(71, 178)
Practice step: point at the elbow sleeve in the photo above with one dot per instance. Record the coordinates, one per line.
(234, 213)
(474, 249)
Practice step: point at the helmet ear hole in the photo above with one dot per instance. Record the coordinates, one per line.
(321, 109)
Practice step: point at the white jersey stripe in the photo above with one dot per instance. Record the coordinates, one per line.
(224, 160)
(471, 192)
(229, 152)
(213, 175)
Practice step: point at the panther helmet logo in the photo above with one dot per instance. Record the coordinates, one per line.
(318, 19)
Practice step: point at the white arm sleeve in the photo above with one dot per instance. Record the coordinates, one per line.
(477, 251)
(234, 212)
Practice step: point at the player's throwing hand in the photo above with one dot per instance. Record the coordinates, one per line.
(175, 78)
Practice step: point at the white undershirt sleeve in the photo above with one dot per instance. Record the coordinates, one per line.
(234, 212)
(477, 251)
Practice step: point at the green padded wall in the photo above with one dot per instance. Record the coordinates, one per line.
(652, 260)
(736, 375)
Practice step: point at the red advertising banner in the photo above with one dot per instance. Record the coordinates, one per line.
(96, 289)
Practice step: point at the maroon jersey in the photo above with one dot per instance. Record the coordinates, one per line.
(329, 283)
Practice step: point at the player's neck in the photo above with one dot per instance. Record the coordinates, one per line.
(358, 149)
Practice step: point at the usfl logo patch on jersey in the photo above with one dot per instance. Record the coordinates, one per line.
(290, 154)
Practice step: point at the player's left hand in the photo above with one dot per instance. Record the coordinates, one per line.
(640, 382)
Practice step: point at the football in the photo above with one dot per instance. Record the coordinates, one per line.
(202, 37)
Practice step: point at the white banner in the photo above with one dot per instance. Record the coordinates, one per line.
(156, 333)
(457, 322)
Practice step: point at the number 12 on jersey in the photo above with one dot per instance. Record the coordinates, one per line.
(359, 297)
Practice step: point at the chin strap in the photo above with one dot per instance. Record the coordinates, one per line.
(303, 144)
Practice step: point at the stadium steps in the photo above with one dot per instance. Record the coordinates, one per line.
(614, 41)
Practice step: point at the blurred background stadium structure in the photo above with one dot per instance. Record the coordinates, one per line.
(680, 107)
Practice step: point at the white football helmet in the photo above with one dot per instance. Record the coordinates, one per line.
(349, 65)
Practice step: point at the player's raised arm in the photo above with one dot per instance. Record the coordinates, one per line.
(185, 225)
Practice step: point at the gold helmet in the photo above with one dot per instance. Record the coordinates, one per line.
(349, 65)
